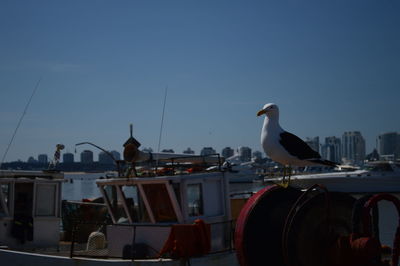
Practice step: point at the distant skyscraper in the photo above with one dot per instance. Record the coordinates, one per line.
(244, 154)
(68, 157)
(207, 151)
(42, 158)
(227, 152)
(87, 156)
(332, 149)
(257, 155)
(105, 158)
(388, 144)
(353, 147)
(31, 160)
(313, 143)
(188, 151)
(117, 155)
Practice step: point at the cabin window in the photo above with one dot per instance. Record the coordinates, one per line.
(23, 199)
(135, 204)
(109, 193)
(110, 196)
(195, 199)
(131, 199)
(160, 202)
(119, 210)
(177, 190)
(46, 200)
(5, 188)
(4, 202)
(2, 211)
(213, 204)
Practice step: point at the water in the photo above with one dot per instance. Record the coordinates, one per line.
(80, 186)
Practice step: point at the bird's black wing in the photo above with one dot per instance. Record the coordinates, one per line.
(297, 147)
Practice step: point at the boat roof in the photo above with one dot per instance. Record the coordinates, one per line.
(15, 174)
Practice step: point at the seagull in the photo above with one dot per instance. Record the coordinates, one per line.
(284, 147)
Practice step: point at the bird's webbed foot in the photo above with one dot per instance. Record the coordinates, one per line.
(285, 182)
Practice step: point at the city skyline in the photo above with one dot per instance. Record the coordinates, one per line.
(330, 66)
(387, 146)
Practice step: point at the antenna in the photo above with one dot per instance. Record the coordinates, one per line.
(162, 123)
(162, 119)
(19, 122)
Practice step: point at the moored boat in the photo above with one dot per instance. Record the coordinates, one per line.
(373, 177)
(166, 220)
(139, 220)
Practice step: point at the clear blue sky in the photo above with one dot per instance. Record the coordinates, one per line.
(331, 66)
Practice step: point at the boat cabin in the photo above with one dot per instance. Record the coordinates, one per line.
(30, 207)
(143, 209)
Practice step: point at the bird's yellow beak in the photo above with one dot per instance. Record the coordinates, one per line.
(261, 112)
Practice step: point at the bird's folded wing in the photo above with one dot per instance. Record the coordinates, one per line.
(297, 147)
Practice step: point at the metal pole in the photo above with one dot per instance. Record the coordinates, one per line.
(73, 239)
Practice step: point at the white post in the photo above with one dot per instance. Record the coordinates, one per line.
(146, 203)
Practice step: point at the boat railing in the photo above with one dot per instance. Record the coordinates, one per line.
(99, 243)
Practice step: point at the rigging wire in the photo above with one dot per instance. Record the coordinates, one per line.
(162, 119)
(162, 123)
(20, 121)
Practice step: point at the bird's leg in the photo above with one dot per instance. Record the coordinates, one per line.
(284, 183)
(290, 174)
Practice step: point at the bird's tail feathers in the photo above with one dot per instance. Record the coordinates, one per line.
(323, 162)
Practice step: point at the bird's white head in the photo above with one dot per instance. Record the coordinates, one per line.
(270, 109)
